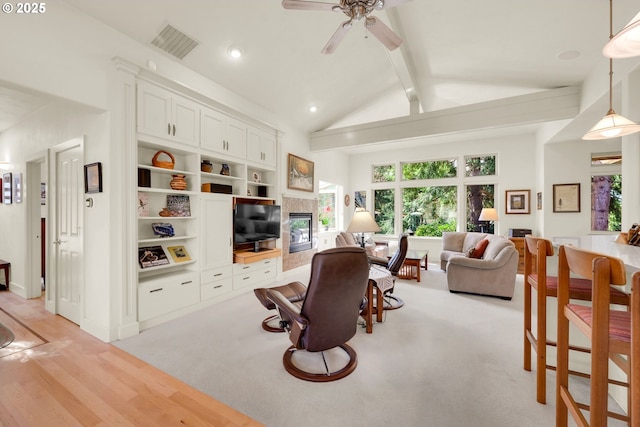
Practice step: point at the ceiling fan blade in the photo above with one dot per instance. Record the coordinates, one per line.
(307, 5)
(393, 3)
(383, 33)
(337, 37)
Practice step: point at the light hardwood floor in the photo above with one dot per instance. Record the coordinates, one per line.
(54, 374)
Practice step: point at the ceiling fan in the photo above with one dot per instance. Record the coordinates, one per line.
(355, 10)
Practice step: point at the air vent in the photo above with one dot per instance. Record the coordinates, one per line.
(174, 42)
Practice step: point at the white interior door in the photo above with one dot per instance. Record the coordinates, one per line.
(68, 232)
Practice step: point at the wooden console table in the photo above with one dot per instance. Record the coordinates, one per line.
(6, 266)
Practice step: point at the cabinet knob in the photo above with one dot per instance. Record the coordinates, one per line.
(155, 290)
(168, 128)
(174, 130)
(186, 283)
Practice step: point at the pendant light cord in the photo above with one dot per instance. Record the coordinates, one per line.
(611, 59)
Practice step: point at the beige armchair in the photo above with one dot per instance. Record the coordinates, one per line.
(376, 249)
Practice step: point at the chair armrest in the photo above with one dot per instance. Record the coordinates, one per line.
(286, 306)
(379, 261)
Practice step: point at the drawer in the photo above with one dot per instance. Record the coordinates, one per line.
(213, 289)
(216, 274)
(246, 268)
(253, 278)
(167, 294)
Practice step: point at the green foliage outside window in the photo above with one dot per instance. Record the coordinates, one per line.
(480, 166)
(606, 203)
(430, 170)
(478, 197)
(384, 173)
(429, 211)
(384, 209)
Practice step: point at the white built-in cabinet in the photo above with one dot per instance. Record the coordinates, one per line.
(191, 132)
(165, 114)
(223, 134)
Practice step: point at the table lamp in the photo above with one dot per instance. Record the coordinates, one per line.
(488, 214)
(362, 222)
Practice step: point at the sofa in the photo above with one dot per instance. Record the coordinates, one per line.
(492, 272)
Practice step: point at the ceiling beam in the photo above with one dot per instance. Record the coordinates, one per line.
(538, 107)
(403, 65)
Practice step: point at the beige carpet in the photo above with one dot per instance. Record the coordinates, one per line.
(442, 360)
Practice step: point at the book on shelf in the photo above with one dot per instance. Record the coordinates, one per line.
(179, 253)
(152, 256)
(178, 205)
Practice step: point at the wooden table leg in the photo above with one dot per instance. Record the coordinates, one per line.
(369, 317)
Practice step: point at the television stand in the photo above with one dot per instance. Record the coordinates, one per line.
(249, 256)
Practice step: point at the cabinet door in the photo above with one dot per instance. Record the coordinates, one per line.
(154, 110)
(213, 130)
(261, 147)
(186, 121)
(217, 227)
(236, 138)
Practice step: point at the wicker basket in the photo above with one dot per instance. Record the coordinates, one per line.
(161, 163)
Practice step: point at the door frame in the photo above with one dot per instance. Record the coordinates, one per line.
(34, 209)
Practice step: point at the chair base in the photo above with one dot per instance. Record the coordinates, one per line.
(393, 306)
(325, 377)
(266, 324)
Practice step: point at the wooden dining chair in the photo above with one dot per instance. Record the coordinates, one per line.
(536, 252)
(614, 335)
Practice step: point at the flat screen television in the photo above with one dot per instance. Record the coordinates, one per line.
(255, 224)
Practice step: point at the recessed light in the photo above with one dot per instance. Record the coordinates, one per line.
(568, 54)
(313, 109)
(234, 52)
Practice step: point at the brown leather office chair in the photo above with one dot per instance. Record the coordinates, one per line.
(614, 335)
(327, 317)
(393, 265)
(536, 252)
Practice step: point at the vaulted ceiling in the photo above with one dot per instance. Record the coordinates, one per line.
(455, 52)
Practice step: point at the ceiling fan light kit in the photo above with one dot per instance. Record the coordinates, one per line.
(356, 10)
(612, 125)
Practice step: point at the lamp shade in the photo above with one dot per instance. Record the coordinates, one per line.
(611, 126)
(626, 43)
(362, 222)
(488, 214)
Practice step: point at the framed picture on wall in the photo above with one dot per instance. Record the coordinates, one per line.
(17, 188)
(360, 199)
(517, 201)
(7, 190)
(93, 178)
(300, 173)
(566, 197)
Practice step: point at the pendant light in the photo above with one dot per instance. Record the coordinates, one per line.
(612, 125)
(626, 43)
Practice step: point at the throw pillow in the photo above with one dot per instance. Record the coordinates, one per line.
(479, 249)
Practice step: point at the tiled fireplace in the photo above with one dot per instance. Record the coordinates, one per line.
(298, 211)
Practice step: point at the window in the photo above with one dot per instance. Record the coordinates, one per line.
(479, 197)
(430, 170)
(606, 192)
(606, 202)
(384, 173)
(480, 166)
(384, 209)
(429, 211)
(327, 196)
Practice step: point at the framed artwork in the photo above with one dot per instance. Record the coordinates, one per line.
(7, 191)
(517, 201)
(539, 204)
(179, 253)
(566, 197)
(300, 173)
(17, 187)
(93, 178)
(360, 199)
(43, 193)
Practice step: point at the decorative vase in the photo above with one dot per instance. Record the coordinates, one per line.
(206, 166)
(178, 182)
